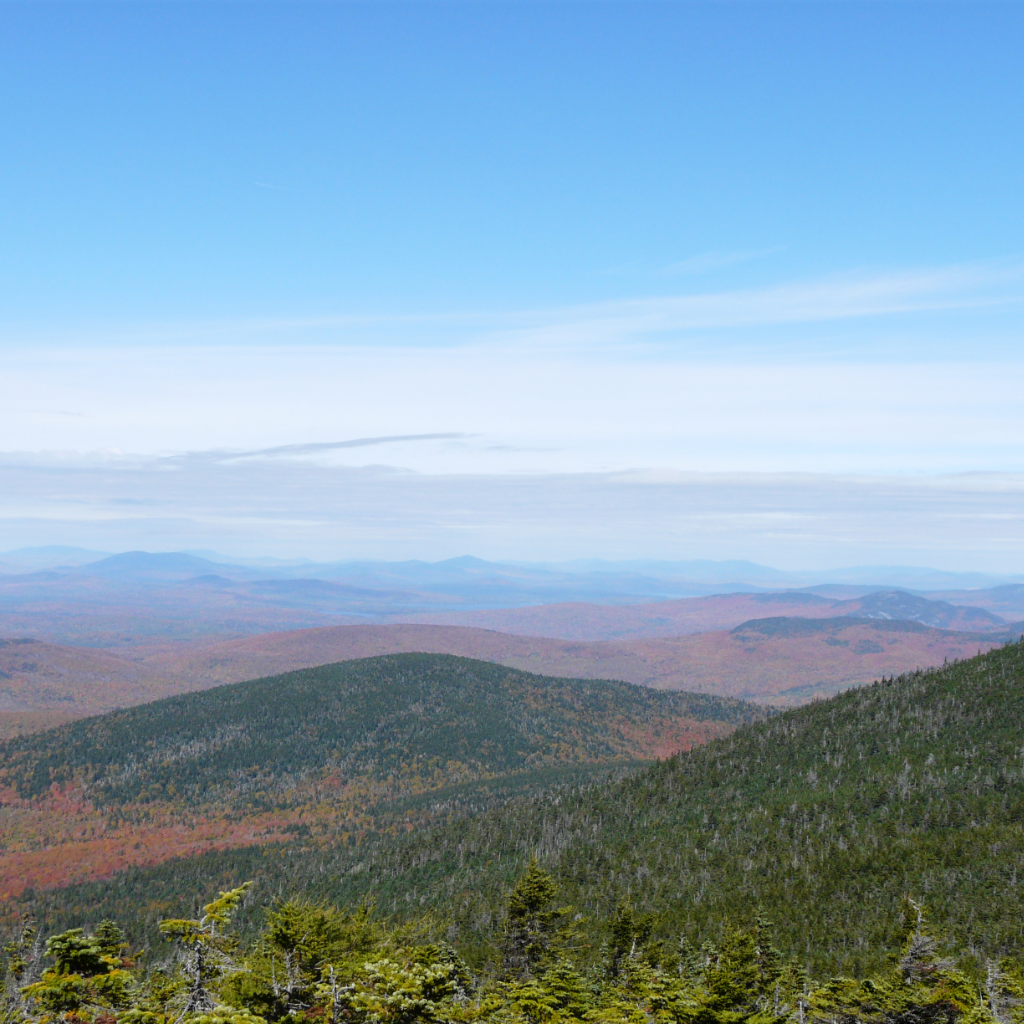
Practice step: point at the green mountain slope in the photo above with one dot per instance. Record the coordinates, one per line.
(825, 817)
(434, 715)
(329, 754)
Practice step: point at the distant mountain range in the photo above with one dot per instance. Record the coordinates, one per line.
(587, 579)
(140, 597)
(123, 629)
(587, 621)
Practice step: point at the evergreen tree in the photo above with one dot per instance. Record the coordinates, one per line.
(85, 974)
(205, 949)
(532, 923)
(628, 938)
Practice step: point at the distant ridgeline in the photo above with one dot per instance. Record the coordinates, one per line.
(250, 745)
(823, 819)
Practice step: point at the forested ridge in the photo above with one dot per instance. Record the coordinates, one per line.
(856, 860)
(826, 816)
(329, 754)
(376, 716)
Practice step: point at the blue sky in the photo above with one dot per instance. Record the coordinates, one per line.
(583, 241)
(198, 160)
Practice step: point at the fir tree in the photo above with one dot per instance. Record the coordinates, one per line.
(532, 923)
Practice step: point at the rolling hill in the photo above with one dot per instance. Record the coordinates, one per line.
(1006, 601)
(44, 684)
(775, 660)
(329, 753)
(594, 622)
(822, 818)
(782, 661)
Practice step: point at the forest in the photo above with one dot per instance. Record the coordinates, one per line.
(545, 963)
(331, 753)
(853, 859)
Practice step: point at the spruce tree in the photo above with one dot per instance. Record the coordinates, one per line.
(532, 923)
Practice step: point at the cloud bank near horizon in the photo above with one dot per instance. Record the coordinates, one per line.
(293, 507)
(498, 412)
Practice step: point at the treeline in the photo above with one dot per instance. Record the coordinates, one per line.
(545, 962)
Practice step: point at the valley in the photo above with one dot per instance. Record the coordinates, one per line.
(777, 660)
(813, 752)
(88, 637)
(815, 771)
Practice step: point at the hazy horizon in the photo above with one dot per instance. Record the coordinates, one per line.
(723, 572)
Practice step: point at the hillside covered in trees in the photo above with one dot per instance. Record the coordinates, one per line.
(823, 818)
(329, 753)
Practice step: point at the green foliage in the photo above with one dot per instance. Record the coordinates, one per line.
(215, 915)
(18, 951)
(299, 941)
(224, 1015)
(206, 950)
(353, 967)
(629, 939)
(308, 935)
(74, 952)
(532, 923)
(444, 718)
(110, 939)
(219, 1014)
(821, 819)
(392, 992)
(86, 973)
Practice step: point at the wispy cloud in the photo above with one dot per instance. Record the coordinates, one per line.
(863, 295)
(835, 298)
(495, 409)
(313, 448)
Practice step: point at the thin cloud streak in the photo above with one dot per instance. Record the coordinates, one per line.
(312, 448)
(835, 298)
(840, 298)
